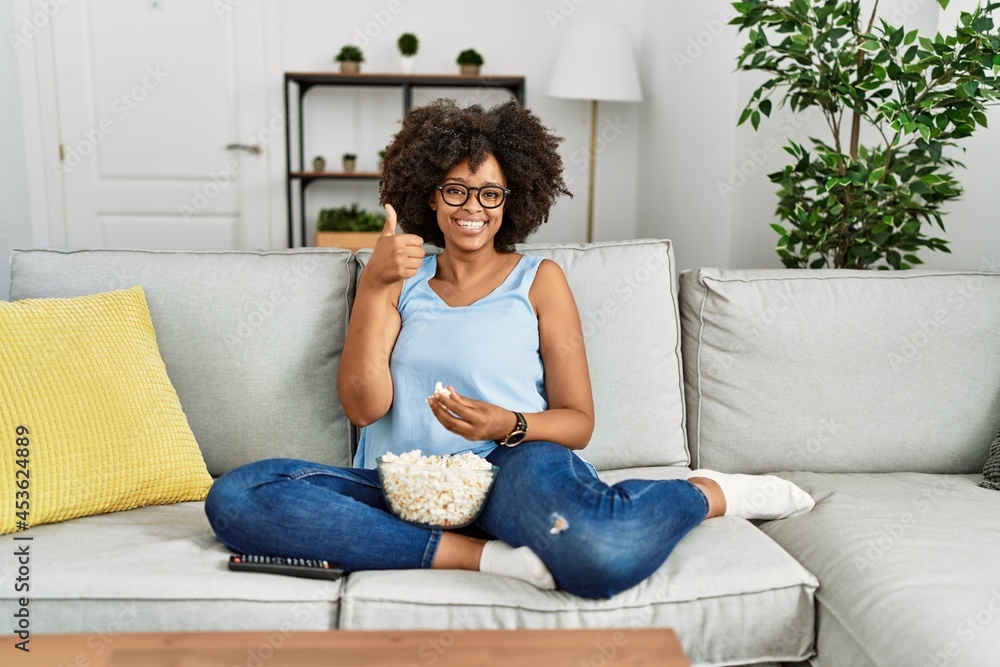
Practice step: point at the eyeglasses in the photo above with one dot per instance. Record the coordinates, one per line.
(488, 196)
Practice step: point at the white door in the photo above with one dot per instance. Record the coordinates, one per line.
(150, 94)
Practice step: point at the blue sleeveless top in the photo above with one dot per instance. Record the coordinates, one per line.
(488, 350)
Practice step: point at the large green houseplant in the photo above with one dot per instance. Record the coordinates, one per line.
(843, 202)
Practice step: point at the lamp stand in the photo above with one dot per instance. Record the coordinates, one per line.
(593, 160)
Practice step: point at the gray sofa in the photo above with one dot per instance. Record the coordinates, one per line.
(878, 392)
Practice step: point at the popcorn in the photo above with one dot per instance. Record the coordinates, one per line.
(446, 491)
(439, 388)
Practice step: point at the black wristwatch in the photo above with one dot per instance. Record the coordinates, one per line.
(515, 437)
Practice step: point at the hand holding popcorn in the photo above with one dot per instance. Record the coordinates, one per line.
(473, 420)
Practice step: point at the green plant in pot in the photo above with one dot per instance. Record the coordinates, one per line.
(846, 203)
(350, 161)
(319, 163)
(349, 219)
(350, 59)
(408, 45)
(348, 227)
(469, 61)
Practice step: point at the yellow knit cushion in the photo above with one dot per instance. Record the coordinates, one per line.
(90, 420)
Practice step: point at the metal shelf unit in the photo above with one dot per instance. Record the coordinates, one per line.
(297, 84)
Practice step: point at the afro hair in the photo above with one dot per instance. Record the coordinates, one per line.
(437, 137)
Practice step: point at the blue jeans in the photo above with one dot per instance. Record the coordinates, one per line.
(596, 539)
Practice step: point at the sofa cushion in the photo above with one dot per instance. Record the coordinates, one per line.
(156, 569)
(991, 471)
(841, 371)
(251, 339)
(626, 295)
(95, 424)
(907, 564)
(731, 594)
(654, 472)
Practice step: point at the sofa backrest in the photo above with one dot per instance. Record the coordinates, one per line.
(251, 339)
(841, 371)
(252, 342)
(626, 294)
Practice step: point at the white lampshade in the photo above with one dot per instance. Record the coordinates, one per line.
(596, 62)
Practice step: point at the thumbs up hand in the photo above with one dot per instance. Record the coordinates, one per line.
(389, 229)
(396, 256)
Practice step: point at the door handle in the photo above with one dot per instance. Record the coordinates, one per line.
(249, 148)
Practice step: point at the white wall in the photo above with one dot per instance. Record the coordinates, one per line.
(687, 128)
(720, 201)
(973, 222)
(759, 153)
(678, 168)
(15, 210)
(518, 37)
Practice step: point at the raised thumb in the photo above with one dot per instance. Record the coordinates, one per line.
(390, 221)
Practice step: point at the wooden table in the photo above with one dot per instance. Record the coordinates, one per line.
(625, 647)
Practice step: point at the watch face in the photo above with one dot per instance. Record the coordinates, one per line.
(515, 438)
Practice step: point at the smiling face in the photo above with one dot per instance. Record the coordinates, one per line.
(469, 226)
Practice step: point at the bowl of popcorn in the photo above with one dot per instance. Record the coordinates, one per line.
(445, 491)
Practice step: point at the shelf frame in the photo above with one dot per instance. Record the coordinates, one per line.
(299, 179)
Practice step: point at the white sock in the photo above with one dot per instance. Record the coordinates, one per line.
(759, 496)
(521, 563)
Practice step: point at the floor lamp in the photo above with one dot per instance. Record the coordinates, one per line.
(595, 63)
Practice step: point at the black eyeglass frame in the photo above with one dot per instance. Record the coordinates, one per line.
(468, 192)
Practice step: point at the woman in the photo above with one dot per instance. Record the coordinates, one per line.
(500, 329)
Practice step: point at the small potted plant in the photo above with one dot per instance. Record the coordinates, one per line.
(469, 61)
(381, 160)
(408, 44)
(319, 163)
(350, 161)
(350, 59)
(348, 227)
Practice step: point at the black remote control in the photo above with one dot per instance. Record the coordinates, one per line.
(295, 567)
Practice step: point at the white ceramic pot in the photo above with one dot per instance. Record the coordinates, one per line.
(407, 64)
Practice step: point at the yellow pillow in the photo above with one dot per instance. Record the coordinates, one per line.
(90, 420)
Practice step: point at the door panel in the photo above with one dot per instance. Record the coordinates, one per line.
(169, 75)
(160, 232)
(150, 95)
